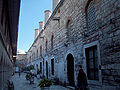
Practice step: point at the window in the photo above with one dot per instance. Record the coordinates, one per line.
(34, 56)
(40, 50)
(90, 16)
(69, 30)
(92, 62)
(52, 42)
(37, 53)
(52, 66)
(40, 67)
(46, 45)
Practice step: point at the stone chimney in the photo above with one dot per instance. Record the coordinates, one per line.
(47, 15)
(55, 3)
(36, 33)
(41, 25)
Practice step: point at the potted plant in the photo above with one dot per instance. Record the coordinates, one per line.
(28, 76)
(45, 83)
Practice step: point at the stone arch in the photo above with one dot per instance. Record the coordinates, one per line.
(68, 21)
(87, 2)
(70, 69)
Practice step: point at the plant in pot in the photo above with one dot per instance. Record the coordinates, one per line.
(28, 76)
(45, 83)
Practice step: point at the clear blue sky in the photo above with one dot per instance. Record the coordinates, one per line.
(31, 12)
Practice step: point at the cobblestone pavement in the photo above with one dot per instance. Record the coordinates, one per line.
(20, 83)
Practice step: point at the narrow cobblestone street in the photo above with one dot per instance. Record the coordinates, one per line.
(20, 83)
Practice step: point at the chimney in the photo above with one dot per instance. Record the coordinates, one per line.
(41, 25)
(55, 3)
(47, 15)
(36, 33)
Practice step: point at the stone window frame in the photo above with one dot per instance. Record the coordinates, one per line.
(94, 43)
(92, 63)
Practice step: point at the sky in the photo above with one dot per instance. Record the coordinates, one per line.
(31, 13)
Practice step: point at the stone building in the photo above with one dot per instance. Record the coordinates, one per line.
(21, 59)
(85, 32)
(9, 16)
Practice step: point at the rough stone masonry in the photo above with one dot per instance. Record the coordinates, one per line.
(85, 32)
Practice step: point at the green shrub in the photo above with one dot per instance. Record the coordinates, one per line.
(45, 83)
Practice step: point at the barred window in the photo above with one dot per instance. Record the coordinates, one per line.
(92, 62)
(90, 16)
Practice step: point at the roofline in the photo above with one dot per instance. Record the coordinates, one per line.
(54, 12)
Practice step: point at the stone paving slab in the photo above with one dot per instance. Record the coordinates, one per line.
(20, 83)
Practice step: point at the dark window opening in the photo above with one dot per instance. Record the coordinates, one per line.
(37, 53)
(40, 50)
(40, 67)
(69, 31)
(52, 42)
(52, 66)
(46, 45)
(92, 63)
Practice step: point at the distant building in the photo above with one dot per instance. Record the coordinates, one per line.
(21, 59)
(85, 32)
(9, 17)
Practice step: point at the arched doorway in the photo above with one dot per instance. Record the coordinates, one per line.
(70, 69)
(46, 69)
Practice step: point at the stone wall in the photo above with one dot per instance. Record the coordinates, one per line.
(6, 68)
(79, 37)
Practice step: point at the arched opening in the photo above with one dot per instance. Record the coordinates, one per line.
(46, 69)
(70, 69)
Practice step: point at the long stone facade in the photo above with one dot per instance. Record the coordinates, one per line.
(85, 32)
